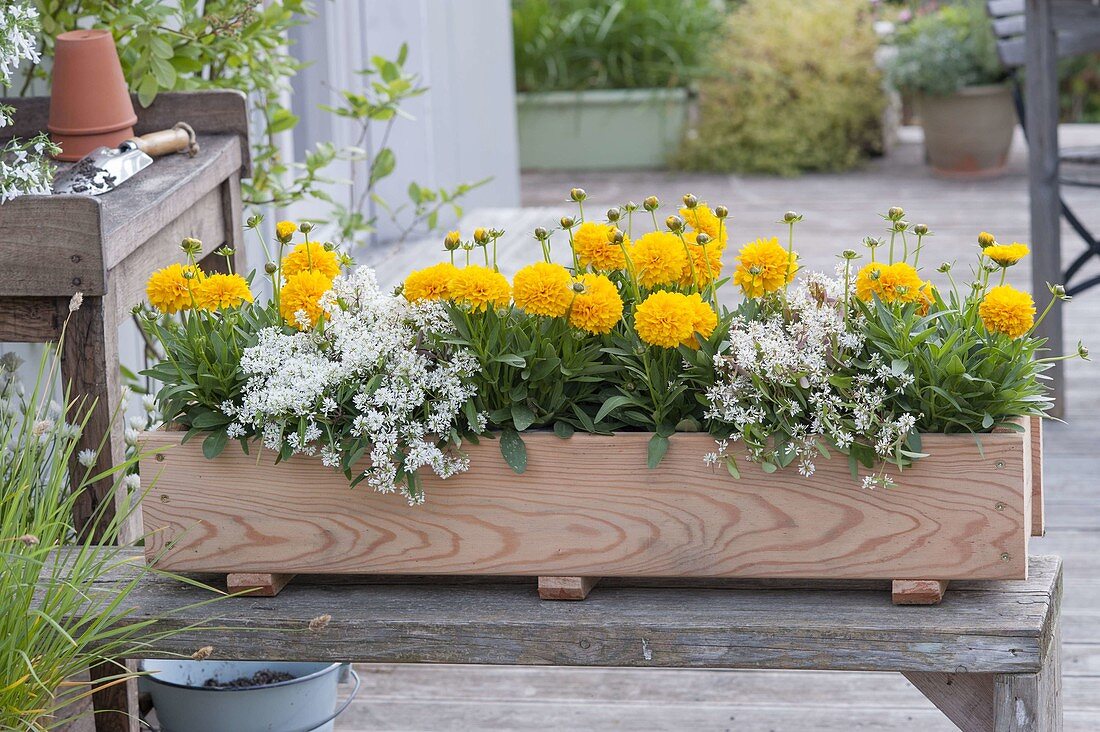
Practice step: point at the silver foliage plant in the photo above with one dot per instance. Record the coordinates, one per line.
(25, 166)
(377, 381)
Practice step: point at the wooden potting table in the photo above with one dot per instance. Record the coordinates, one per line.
(988, 657)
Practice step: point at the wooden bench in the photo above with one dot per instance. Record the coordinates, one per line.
(988, 657)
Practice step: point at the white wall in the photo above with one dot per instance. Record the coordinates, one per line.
(464, 127)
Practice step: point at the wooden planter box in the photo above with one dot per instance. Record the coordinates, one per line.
(588, 507)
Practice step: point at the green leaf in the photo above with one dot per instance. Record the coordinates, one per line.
(214, 443)
(731, 467)
(658, 446)
(612, 404)
(207, 420)
(514, 451)
(384, 163)
(522, 416)
(510, 359)
(987, 421)
(563, 430)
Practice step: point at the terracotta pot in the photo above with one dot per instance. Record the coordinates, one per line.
(968, 133)
(89, 102)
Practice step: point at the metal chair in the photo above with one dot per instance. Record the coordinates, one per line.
(1077, 24)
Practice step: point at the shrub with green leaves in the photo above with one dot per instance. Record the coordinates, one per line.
(793, 87)
(573, 45)
(945, 50)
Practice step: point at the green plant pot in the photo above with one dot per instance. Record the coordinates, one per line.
(600, 130)
(968, 133)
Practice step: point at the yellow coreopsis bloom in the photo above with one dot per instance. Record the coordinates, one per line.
(599, 307)
(311, 255)
(171, 289)
(284, 230)
(219, 291)
(480, 287)
(1005, 309)
(899, 282)
(764, 266)
(301, 293)
(701, 218)
(704, 320)
(594, 248)
(1006, 255)
(659, 258)
(543, 289)
(430, 283)
(665, 319)
(707, 261)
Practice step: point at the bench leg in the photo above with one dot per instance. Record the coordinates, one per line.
(965, 699)
(1031, 702)
(116, 703)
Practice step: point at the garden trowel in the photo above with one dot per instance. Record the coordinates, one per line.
(105, 168)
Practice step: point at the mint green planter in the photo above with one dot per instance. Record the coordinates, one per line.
(600, 130)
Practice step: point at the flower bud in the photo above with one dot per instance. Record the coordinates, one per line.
(613, 215)
(944, 268)
(271, 268)
(630, 207)
(1082, 351)
(849, 254)
(305, 227)
(579, 288)
(452, 240)
(1059, 292)
(985, 239)
(896, 213)
(496, 233)
(674, 223)
(901, 225)
(871, 242)
(791, 217)
(702, 238)
(254, 221)
(541, 233)
(991, 268)
(567, 222)
(577, 194)
(481, 235)
(721, 212)
(921, 229)
(191, 245)
(690, 201)
(651, 203)
(328, 246)
(615, 235)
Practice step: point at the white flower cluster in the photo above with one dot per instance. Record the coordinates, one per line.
(25, 167)
(793, 376)
(365, 381)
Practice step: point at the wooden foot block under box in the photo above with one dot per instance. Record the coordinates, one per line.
(588, 507)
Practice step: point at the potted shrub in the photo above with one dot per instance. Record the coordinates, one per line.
(604, 85)
(607, 418)
(947, 59)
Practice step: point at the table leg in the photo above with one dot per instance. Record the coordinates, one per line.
(1031, 702)
(1041, 101)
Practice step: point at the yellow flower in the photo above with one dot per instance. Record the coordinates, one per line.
(985, 239)
(659, 258)
(430, 283)
(1005, 309)
(169, 289)
(704, 320)
(705, 271)
(284, 230)
(596, 250)
(764, 266)
(665, 319)
(899, 282)
(701, 218)
(480, 287)
(1006, 255)
(302, 293)
(543, 289)
(599, 308)
(220, 291)
(311, 256)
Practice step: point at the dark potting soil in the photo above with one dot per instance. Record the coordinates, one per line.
(260, 678)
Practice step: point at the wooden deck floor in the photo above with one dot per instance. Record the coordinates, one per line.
(839, 210)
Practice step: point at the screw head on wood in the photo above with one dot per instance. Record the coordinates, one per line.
(1000, 507)
(75, 259)
(164, 498)
(160, 457)
(999, 464)
(1005, 557)
(77, 281)
(585, 644)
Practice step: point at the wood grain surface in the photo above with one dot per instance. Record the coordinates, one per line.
(589, 507)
